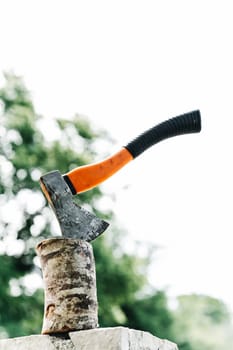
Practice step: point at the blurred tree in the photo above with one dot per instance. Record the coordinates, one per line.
(26, 152)
(202, 322)
(150, 314)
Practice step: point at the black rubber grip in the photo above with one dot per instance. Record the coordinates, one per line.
(184, 124)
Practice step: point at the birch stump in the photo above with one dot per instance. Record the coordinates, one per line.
(70, 300)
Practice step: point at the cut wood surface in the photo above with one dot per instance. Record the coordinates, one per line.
(70, 299)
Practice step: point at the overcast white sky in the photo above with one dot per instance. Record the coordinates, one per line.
(129, 65)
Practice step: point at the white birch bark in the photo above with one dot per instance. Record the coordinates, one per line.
(70, 300)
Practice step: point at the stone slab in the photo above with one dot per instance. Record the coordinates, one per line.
(27, 343)
(117, 338)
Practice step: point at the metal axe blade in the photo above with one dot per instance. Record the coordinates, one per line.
(74, 221)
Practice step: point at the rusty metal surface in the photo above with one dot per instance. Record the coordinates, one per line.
(74, 221)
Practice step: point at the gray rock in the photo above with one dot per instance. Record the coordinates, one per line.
(118, 338)
(31, 342)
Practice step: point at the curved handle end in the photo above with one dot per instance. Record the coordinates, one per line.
(183, 124)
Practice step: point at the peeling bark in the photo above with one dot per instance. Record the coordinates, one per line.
(70, 300)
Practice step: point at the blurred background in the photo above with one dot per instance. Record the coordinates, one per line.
(78, 80)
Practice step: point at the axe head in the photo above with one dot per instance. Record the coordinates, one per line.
(75, 222)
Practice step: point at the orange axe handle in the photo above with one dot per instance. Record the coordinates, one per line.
(88, 176)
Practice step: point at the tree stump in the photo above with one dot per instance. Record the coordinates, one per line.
(70, 300)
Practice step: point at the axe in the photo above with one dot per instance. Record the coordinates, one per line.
(77, 222)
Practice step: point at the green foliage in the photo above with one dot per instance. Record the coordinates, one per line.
(202, 322)
(141, 314)
(119, 278)
(19, 314)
